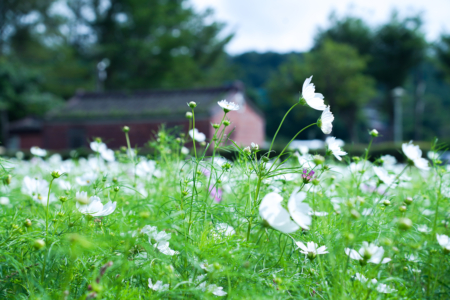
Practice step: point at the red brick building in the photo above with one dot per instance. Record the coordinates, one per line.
(103, 114)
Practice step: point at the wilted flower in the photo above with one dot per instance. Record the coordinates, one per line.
(275, 215)
(314, 100)
(158, 286)
(228, 106)
(38, 151)
(254, 146)
(414, 153)
(333, 146)
(311, 250)
(247, 150)
(368, 253)
(95, 207)
(326, 121)
(197, 135)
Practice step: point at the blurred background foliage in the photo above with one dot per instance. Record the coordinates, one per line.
(49, 50)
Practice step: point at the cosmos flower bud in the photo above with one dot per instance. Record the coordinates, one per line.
(374, 133)
(226, 166)
(126, 129)
(355, 214)
(265, 159)
(98, 140)
(315, 181)
(247, 150)
(404, 223)
(226, 122)
(192, 104)
(215, 126)
(7, 179)
(188, 115)
(402, 208)
(255, 146)
(56, 174)
(27, 223)
(116, 189)
(386, 202)
(356, 159)
(408, 200)
(63, 199)
(318, 159)
(38, 244)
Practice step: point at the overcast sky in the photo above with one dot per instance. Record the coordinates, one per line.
(290, 25)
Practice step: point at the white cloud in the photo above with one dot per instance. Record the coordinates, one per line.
(290, 25)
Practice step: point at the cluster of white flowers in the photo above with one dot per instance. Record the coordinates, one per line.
(160, 239)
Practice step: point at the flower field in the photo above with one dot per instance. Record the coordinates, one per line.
(183, 222)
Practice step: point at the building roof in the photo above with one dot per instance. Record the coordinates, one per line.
(28, 124)
(153, 104)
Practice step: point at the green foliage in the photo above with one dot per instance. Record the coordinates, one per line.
(443, 53)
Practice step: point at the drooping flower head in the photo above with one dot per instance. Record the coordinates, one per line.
(228, 106)
(310, 97)
(326, 121)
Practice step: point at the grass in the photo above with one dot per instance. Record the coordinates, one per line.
(221, 246)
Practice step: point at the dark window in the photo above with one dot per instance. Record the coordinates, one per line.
(77, 138)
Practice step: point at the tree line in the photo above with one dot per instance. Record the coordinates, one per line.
(51, 48)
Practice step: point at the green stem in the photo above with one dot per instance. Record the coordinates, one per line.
(279, 127)
(195, 170)
(48, 201)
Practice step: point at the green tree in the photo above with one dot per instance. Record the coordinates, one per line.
(150, 44)
(443, 54)
(338, 75)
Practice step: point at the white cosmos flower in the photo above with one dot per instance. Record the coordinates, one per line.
(161, 239)
(86, 179)
(326, 121)
(98, 147)
(96, 208)
(388, 160)
(360, 278)
(212, 288)
(4, 201)
(38, 151)
(385, 289)
(228, 106)
(158, 286)
(313, 99)
(299, 210)
(444, 241)
(273, 213)
(369, 252)
(225, 229)
(414, 153)
(384, 175)
(197, 135)
(333, 146)
(184, 150)
(423, 228)
(107, 155)
(311, 250)
(432, 155)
